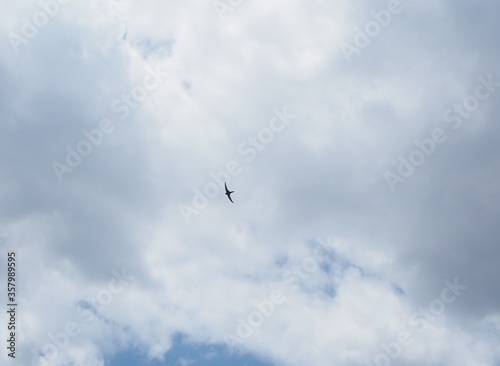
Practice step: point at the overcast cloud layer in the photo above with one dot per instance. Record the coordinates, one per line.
(360, 138)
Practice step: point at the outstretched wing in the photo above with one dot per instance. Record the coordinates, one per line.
(225, 185)
(229, 196)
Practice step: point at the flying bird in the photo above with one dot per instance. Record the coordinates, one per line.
(228, 192)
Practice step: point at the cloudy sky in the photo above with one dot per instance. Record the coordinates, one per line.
(361, 142)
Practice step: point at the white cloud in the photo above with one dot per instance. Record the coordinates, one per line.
(321, 177)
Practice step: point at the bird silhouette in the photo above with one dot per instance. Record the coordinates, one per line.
(228, 192)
